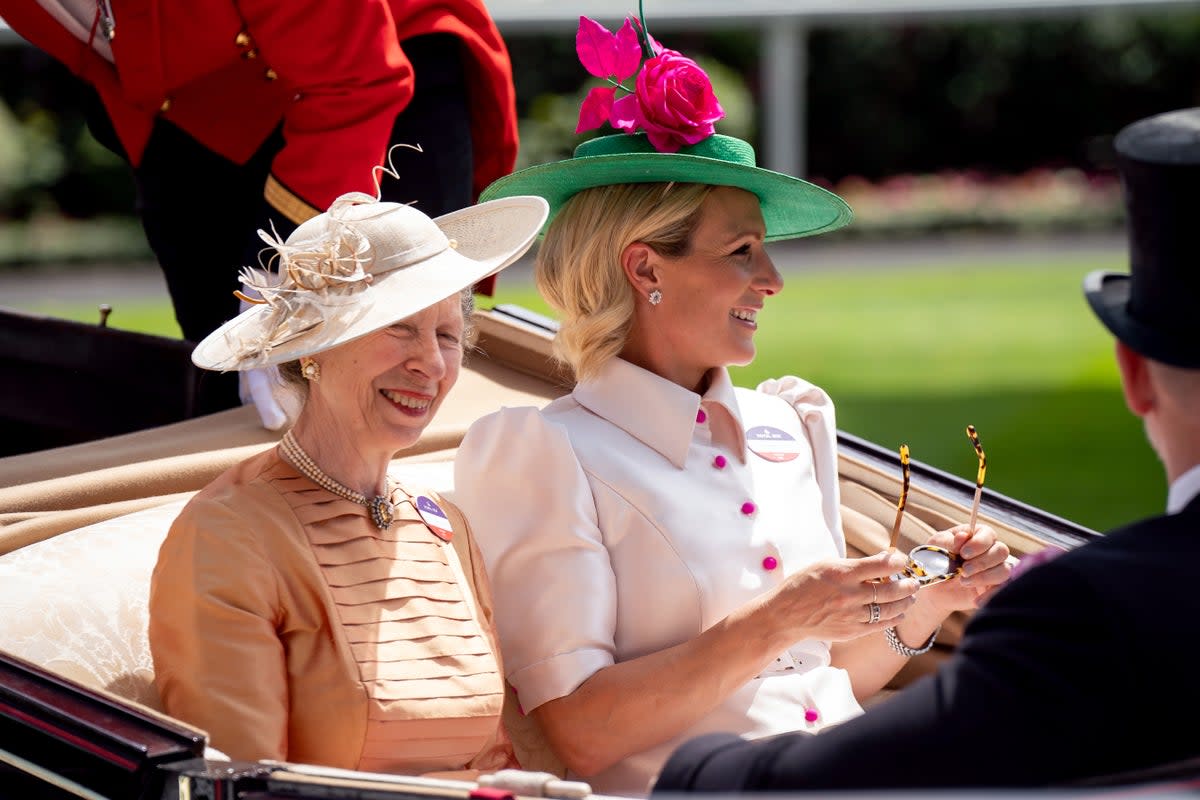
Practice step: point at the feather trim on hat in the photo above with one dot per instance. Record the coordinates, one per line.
(311, 276)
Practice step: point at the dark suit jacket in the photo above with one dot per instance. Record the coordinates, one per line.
(1085, 665)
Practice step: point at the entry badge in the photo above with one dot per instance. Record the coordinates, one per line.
(434, 518)
(772, 444)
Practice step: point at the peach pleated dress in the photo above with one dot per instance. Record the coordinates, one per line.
(288, 626)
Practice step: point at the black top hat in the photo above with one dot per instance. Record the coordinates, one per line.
(1156, 308)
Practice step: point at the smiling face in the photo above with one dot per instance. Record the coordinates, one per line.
(382, 390)
(711, 295)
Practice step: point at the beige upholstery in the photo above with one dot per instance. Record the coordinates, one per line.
(76, 603)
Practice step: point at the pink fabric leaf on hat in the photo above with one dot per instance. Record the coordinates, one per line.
(596, 108)
(596, 47)
(675, 102)
(628, 52)
(625, 114)
(599, 50)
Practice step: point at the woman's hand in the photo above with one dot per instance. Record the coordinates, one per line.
(604, 719)
(832, 600)
(985, 567)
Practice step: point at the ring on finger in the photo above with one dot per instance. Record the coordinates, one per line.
(874, 593)
(873, 608)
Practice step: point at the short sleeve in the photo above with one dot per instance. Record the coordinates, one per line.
(815, 409)
(528, 500)
(218, 662)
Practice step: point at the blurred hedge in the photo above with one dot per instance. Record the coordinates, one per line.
(994, 95)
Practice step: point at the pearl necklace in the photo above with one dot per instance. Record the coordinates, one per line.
(381, 508)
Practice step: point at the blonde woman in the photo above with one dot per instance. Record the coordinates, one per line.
(669, 557)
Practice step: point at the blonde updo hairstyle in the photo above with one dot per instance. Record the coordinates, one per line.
(578, 268)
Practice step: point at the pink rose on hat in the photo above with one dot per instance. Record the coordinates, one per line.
(673, 100)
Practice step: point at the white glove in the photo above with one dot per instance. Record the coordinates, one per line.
(536, 784)
(264, 387)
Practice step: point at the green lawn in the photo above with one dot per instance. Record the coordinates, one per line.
(143, 316)
(913, 356)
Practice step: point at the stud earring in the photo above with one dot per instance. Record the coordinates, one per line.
(655, 297)
(311, 370)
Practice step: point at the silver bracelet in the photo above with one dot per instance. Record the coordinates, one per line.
(893, 640)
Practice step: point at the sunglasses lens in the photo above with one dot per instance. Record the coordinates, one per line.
(930, 564)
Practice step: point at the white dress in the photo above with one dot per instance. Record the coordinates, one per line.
(633, 514)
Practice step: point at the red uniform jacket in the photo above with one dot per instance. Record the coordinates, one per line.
(332, 71)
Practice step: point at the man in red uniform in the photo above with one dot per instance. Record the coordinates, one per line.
(237, 116)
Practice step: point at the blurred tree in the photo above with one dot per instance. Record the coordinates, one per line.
(995, 95)
(48, 160)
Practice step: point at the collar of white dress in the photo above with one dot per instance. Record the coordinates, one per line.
(658, 412)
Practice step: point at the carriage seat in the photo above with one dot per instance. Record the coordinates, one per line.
(76, 603)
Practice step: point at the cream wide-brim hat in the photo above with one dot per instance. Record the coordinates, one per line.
(364, 265)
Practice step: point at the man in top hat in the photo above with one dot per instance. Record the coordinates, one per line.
(1082, 666)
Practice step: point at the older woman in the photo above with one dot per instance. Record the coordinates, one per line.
(670, 558)
(305, 606)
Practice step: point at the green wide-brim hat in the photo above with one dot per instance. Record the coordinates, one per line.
(791, 207)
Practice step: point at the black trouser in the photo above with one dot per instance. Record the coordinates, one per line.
(201, 211)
